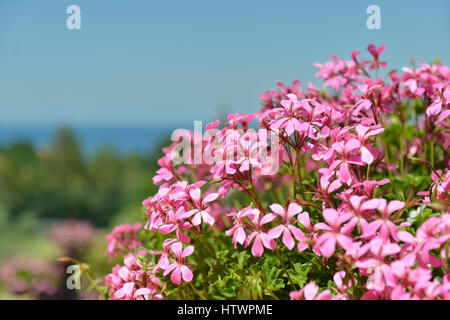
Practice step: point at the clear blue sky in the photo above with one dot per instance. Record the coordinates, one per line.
(140, 62)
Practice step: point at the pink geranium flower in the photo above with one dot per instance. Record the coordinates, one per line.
(286, 227)
(288, 120)
(178, 268)
(327, 240)
(261, 239)
(384, 225)
(368, 152)
(238, 229)
(200, 203)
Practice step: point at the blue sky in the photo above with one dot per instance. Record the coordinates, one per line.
(156, 62)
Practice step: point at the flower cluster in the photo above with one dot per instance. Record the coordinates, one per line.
(123, 238)
(132, 282)
(350, 163)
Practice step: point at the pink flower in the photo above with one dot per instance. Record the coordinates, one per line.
(346, 157)
(382, 274)
(260, 237)
(123, 237)
(166, 172)
(288, 121)
(368, 153)
(384, 225)
(286, 227)
(238, 229)
(376, 64)
(200, 204)
(434, 108)
(175, 221)
(179, 269)
(131, 282)
(327, 240)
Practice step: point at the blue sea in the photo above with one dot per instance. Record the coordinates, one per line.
(123, 139)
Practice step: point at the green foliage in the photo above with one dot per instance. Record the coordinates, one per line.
(299, 274)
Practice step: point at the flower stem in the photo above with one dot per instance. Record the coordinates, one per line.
(432, 148)
(402, 147)
(284, 268)
(91, 280)
(207, 245)
(271, 293)
(299, 172)
(196, 291)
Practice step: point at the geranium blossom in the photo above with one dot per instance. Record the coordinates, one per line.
(178, 268)
(361, 188)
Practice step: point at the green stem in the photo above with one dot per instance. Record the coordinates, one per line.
(432, 148)
(299, 172)
(294, 182)
(187, 293)
(254, 196)
(91, 280)
(388, 158)
(402, 147)
(271, 293)
(285, 270)
(207, 245)
(196, 291)
(164, 288)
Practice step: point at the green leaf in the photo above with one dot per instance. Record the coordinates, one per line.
(299, 274)
(271, 277)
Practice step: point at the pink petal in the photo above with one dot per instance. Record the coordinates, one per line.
(303, 218)
(366, 156)
(267, 241)
(345, 241)
(207, 218)
(169, 269)
(176, 275)
(293, 210)
(344, 174)
(267, 218)
(257, 249)
(276, 232)
(330, 215)
(128, 288)
(395, 205)
(298, 234)
(210, 197)
(142, 292)
(197, 219)
(188, 251)
(278, 209)
(240, 235)
(434, 108)
(310, 291)
(287, 239)
(336, 184)
(177, 249)
(352, 144)
(195, 194)
(372, 204)
(327, 244)
(289, 127)
(186, 273)
(406, 237)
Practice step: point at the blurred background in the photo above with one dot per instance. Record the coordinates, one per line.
(84, 113)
